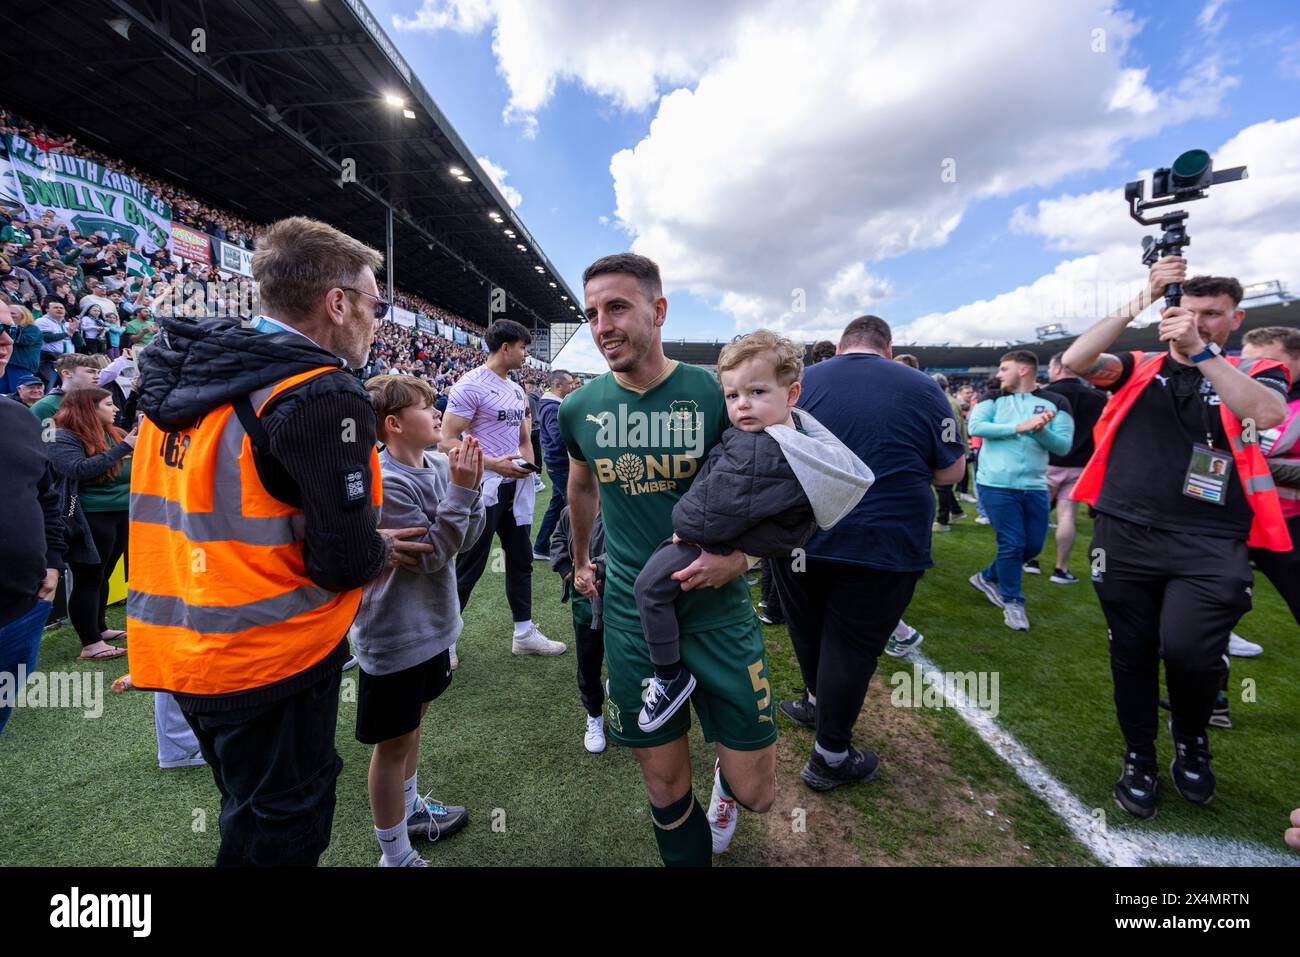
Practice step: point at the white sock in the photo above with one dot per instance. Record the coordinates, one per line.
(833, 758)
(902, 630)
(522, 628)
(812, 698)
(411, 793)
(394, 842)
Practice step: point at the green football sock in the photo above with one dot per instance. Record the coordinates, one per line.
(682, 833)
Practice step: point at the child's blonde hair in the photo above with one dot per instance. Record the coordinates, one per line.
(785, 356)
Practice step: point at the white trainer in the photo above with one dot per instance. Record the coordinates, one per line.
(412, 859)
(594, 739)
(722, 815)
(535, 643)
(1239, 647)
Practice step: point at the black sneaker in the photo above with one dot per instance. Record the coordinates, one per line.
(859, 766)
(1031, 567)
(1219, 717)
(801, 712)
(1062, 577)
(663, 700)
(1135, 791)
(1191, 769)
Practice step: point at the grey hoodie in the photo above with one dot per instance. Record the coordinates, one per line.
(411, 613)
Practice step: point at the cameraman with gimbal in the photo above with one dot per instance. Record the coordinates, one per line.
(1181, 489)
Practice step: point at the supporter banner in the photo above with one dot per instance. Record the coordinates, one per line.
(403, 317)
(232, 258)
(475, 341)
(461, 336)
(91, 197)
(427, 324)
(10, 198)
(444, 329)
(191, 244)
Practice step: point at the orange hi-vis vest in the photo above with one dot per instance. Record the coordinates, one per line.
(1267, 528)
(219, 600)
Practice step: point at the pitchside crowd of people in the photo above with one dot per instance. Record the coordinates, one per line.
(345, 481)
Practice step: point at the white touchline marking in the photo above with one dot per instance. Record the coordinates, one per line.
(1124, 848)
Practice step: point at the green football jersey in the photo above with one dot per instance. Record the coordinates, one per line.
(644, 447)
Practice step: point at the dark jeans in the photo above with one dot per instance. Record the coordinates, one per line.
(656, 596)
(559, 498)
(591, 655)
(275, 766)
(1283, 568)
(840, 617)
(89, 597)
(46, 371)
(518, 550)
(1019, 517)
(1171, 596)
(20, 644)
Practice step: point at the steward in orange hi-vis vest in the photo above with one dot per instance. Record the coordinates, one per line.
(220, 598)
(1268, 528)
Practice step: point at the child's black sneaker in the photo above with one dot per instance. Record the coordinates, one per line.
(662, 699)
(1135, 791)
(859, 766)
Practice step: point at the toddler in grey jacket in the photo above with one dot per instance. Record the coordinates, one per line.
(774, 477)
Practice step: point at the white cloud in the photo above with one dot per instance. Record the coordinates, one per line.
(498, 176)
(1212, 17)
(627, 52)
(818, 146)
(1248, 229)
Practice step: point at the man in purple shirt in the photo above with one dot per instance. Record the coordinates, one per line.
(488, 405)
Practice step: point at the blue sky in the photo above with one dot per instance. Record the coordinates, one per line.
(844, 136)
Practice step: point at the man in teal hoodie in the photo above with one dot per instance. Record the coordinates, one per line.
(1020, 429)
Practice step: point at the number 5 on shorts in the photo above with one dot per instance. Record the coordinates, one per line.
(761, 685)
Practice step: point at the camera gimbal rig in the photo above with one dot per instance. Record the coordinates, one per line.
(1188, 179)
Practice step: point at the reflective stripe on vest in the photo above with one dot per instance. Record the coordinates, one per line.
(219, 599)
(1268, 527)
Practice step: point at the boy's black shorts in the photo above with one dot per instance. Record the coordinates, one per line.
(388, 706)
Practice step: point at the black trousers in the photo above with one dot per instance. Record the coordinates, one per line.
(840, 617)
(275, 766)
(964, 485)
(767, 591)
(1283, 568)
(948, 505)
(1167, 595)
(591, 655)
(88, 599)
(515, 545)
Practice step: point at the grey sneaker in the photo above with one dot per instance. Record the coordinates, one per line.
(990, 589)
(1013, 613)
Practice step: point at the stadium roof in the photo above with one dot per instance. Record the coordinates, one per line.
(980, 358)
(258, 115)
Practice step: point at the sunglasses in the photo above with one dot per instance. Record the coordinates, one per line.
(381, 305)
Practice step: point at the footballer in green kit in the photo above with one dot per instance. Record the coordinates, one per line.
(636, 436)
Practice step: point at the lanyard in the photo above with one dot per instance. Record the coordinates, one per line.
(1201, 404)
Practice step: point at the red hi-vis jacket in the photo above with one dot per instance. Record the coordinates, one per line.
(1268, 528)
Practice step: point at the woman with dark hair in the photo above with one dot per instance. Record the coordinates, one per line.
(93, 457)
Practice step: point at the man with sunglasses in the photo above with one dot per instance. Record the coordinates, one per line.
(254, 507)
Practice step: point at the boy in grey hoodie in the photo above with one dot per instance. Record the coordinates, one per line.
(410, 615)
(774, 476)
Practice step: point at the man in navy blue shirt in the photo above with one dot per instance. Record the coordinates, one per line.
(844, 598)
(555, 454)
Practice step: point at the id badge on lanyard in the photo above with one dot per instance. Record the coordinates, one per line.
(1208, 474)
